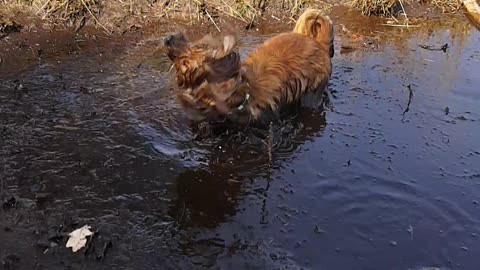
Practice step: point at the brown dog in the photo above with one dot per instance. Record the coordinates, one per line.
(211, 81)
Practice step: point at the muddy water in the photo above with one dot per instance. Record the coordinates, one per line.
(96, 137)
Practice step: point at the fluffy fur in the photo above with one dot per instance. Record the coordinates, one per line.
(212, 82)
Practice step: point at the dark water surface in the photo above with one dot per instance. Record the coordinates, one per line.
(369, 185)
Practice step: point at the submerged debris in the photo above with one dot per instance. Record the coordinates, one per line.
(105, 248)
(9, 203)
(270, 144)
(410, 231)
(318, 230)
(10, 262)
(410, 96)
(432, 48)
(429, 268)
(446, 110)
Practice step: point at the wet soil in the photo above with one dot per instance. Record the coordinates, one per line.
(387, 179)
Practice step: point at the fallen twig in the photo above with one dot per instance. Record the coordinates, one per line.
(171, 223)
(95, 18)
(270, 143)
(410, 231)
(107, 246)
(410, 96)
(404, 12)
(2, 180)
(213, 21)
(234, 13)
(400, 25)
(431, 48)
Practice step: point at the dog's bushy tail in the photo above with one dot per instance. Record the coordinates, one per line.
(314, 24)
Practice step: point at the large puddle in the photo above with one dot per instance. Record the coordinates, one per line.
(99, 140)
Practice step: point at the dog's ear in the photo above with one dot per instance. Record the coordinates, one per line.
(208, 41)
(229, 43)
(225, 48)
(224, 68)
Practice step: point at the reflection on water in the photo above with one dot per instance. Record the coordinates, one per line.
(364, 186)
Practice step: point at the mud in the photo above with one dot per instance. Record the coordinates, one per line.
(387, 179)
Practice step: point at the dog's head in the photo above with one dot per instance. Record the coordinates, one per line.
(208, 58)
(205, 71)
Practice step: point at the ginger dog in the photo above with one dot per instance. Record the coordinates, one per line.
(212, 82)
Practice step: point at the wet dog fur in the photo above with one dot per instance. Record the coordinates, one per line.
(212, 83)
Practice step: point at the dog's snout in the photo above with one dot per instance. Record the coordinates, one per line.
(174, 40)
(168, 40)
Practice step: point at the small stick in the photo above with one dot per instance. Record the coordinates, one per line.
(2, 180)
(211, 19)
(427, 47)
(270, 143)
(42, 7)
(239, 16)
(95, 18)
(106, 246)
(410, 231)
(399, 25)
(404, 12)
(410, 95)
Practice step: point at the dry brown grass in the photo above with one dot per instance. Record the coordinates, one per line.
(394, 7)
(446, 6)
(64, 9)
(121, 15)
(377, 7)
(69, 13)
(114, 15)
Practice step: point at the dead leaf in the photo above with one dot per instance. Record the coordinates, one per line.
(78, 238)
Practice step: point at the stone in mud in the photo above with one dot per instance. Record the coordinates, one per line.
(9, 203)
(10, 262)
(9, 27)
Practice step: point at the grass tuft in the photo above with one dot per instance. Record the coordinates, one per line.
(123, 15)
(394, 7)
(378, 7)
(446, 6)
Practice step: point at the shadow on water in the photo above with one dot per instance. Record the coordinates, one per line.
(369, 185)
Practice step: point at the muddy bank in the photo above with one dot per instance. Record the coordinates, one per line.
(116, 18)
(31, 32)
(26, 39)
